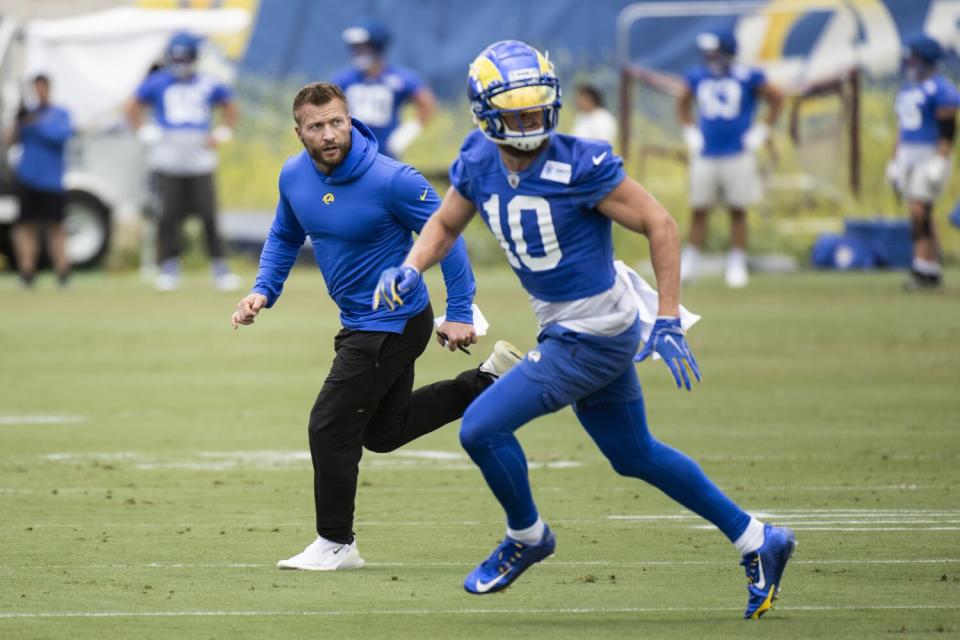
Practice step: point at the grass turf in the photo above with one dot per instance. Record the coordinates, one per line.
(179, 474)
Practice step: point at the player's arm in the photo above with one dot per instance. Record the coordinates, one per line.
(229, 115)
(632, 206)
(441, 231)
(759, 132)
(691, 132)
(774, 99)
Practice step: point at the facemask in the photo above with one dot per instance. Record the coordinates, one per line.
(364, 61)
(183, 70)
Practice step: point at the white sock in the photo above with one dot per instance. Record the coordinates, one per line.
(927, 267)
(737, 257)
(689, 261)
(751, 539)
(531, 535)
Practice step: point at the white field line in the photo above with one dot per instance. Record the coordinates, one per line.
(447, 612)
(14, 421)
(552, 562)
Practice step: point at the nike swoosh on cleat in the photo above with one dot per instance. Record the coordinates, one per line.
(761, 583)
(598, 159)
(483, 587)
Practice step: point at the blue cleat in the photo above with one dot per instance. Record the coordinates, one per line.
(765, 568)
(507, 562)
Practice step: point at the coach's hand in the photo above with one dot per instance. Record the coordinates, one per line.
(394, 282)
(667, 340)
(248, 308)
(458, 334)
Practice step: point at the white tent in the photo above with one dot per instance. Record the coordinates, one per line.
(96, 61)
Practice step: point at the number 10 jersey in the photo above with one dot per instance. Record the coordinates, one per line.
(545, 217)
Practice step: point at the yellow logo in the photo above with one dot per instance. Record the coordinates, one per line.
(328, 198)
(423, 196)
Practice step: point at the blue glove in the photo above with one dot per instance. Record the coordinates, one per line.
(394, 282)
(668, 341)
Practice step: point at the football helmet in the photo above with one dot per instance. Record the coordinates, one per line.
(182, 53)
(514, 94)
(367, 42)
(718, 49)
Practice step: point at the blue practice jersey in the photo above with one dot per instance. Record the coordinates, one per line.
(917, 106)
(360, 219)
(725, 106)
(44, 140)
(182, 104)
(557, 242)
(376, 101)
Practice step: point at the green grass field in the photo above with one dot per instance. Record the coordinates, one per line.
(153, 468)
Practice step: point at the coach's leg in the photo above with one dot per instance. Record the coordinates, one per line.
(26, 247)
(487, 436)
(926, 269)
(620, 430)
(404, 415)
(171, 197)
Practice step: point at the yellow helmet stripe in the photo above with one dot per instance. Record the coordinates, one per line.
(485, 72)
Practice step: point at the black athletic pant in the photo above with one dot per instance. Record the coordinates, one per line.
(368, 401)
(176, 198)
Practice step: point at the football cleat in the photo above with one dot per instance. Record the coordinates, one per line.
(765, 568)
(510, 79)
(510, 559)
(325, 555)
(505, 356)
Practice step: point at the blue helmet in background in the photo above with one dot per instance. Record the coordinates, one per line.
(511, 77)
(719, 41)
(182, 53)
(926, 49)
(370, 32)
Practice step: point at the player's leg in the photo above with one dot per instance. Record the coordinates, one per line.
(926, 271)
(703, 194)
(487, 434)
(205, 203)
(26, 236)
(171, 199)
(740, 184)
(57, 238)
(616, 420)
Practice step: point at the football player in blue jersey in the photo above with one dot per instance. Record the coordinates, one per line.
(721, 145)
(926, 107)
(550, 201)
(181, 144)
(377, 89)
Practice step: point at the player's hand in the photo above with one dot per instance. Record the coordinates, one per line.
(247, 309)
(935, 169)
(394, 282)
(893, 173)
(693, 138)
(667, 339)
(459, 334)
(756, 135)
(220, 136)
(149, 134)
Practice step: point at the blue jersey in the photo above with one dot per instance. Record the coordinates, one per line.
(44, 140)
(182, 104)
(360, 220)
(725, 106)
(376, 101)
(546, 221)
(917, 105)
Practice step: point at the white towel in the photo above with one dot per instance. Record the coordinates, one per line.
(648, 303)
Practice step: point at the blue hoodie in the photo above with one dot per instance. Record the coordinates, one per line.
(44, 140)
(360, 220)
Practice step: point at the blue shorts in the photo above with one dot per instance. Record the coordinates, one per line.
(579, 368)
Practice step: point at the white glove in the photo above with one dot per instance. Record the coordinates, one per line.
(936, 169)
(403, 136)
(149, 134)
(222, 134)
(693, 139)
(756, 135)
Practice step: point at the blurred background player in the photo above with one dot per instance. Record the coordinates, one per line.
(593, 121)
(42, 131)
(182, 155)
(723, 170)
(926, 108)
(377, 89)
(589, 323)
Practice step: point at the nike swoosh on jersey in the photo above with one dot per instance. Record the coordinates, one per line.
(483, 587)
(423, 196)
(598, 159)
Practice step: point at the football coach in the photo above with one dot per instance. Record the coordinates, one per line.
(359, 209)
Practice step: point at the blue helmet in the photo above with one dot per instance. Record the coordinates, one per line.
(511, 77)
(368, 32)
(719, 41)
(926, 49)
(183, 47)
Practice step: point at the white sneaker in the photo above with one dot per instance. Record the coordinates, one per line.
(689, 264)
(735, 275)
(166, 282)
(227, 282)
(324, 555)
(505, 356)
